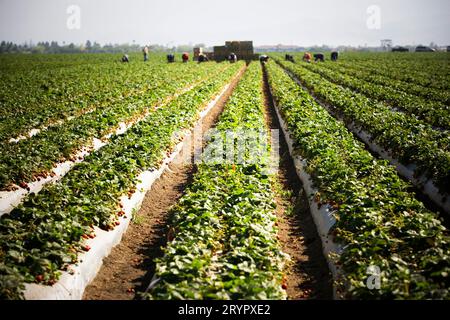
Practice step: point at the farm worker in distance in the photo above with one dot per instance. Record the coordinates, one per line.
(202, 58)
(125, 58)
(307, 57)
(170, 58)
(334, 56)
(263, 59)
(145, 50)
(319, 57)
(289, 57)
(232, 58)
(185, 57)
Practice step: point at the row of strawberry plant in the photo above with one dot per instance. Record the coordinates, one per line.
(379, 223)
(431, 73)
(39, 98)
(31, 158)
(33, 98)
(225, 242)
(424, 69)
(43, 236)
(432, 112)
(415, 75)
(12, 63)
(439, 96)
(402, 136)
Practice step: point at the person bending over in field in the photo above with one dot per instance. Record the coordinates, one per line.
(319, 57)
(185, 57)
(170, 58)
(334, 56)
(307, 57)
(202, 58)
(125, 58)
(289, 57)
(263, 59)
(232, 58)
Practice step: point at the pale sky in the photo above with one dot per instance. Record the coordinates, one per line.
(172, 22)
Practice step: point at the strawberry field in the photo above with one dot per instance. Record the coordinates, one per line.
(156, 180)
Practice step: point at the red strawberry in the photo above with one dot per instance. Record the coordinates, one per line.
(171, 235)
(39, 278)
(86, 248)
(284, 283)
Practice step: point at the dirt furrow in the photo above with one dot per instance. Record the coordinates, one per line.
(130, 266)
(307, 274)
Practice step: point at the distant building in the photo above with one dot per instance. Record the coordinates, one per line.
(279, 48)
(386, 44)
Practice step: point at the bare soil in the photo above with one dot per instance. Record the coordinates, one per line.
(130, 266)
(307, 274)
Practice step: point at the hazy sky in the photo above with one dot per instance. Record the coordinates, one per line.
(212, 22)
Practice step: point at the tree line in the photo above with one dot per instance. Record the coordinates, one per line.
(88, 47)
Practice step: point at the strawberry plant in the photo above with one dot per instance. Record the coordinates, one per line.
(379, 223)
(405, 138)
(432, 112)
(31, 158)
(44, 235)
(225, 244)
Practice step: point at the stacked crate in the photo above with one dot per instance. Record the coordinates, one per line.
(246, 50)
(220, 53)
(243, 50)
(209, 55)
